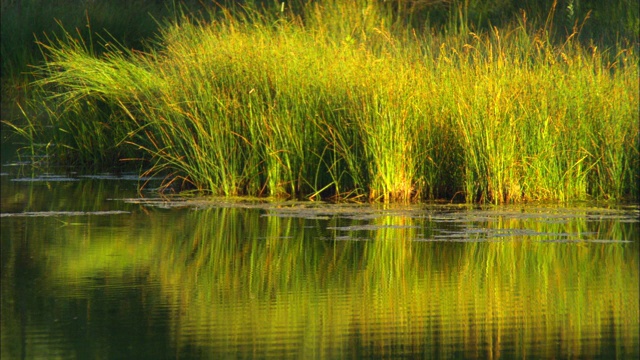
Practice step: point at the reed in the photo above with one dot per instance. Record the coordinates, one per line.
(343, 101)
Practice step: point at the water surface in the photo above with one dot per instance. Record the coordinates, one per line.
(94, 268)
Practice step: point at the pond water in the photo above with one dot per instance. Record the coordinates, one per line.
(93, 268)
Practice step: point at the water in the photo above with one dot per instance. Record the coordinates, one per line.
(94, 268)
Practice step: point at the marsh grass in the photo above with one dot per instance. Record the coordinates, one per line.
(344, 102)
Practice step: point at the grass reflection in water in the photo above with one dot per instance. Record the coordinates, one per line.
(267, 284)
(238, 283)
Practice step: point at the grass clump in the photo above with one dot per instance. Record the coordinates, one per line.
(343, 101)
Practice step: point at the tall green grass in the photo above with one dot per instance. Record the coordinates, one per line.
(345, 102)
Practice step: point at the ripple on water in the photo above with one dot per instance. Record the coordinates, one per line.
(46, 179)
(63, 213)
(123, 177)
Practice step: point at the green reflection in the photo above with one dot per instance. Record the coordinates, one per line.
(232, 282)
(265, 284)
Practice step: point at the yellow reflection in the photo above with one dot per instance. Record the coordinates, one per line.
(238, 282)
(270, 285)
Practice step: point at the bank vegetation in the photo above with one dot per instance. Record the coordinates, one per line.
(348, 100)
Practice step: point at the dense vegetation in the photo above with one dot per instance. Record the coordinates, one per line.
(383, 100)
